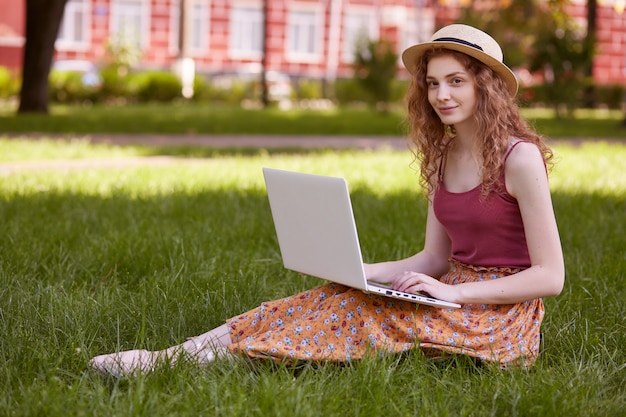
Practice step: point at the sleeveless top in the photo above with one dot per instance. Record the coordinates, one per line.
(485, 232)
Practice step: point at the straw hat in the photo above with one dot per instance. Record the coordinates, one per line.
(470, 41)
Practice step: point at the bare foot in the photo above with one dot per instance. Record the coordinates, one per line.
(130, 362)
(202, 350)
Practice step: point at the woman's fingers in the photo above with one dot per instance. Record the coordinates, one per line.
(406, 281)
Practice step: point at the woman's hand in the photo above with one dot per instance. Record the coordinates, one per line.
(414, 282)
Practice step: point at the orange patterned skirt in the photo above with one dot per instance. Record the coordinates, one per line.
(338, 323)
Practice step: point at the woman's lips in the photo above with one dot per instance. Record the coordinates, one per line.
(446, 110)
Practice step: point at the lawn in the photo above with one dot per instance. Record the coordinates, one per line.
(99, 259)
(213, 120)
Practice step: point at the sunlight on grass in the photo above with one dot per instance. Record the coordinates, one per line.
(17, 150)
(590, 167)
(549, 113)
(221, 173)
(586, 167)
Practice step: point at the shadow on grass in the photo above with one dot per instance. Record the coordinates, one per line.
(247, 151)
(83, 275)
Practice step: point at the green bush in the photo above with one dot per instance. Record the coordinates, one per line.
(348, 90)
(9, 85)
(234, 93)
(375, 69)
(531, 96)
(68, 87)
(205, 91)
(115, 83)
(398, 90)
(611, 95)
(201, 89)
(159, 86)
(309, 89)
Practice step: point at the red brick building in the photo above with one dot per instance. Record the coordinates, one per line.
(610, 63)
(313, 38)
(306, 38)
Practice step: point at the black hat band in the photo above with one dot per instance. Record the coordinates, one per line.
(461, 41)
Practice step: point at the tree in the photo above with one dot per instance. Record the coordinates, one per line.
(540, 36)
(590, 44)
(513, 24)
(561, 52)
(43, 19)
(265, 37)
(375, 69)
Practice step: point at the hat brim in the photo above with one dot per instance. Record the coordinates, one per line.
(411, 55)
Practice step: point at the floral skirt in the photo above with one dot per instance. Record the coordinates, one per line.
(338, 323)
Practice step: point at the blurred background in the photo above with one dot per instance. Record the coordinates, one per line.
(299, 53)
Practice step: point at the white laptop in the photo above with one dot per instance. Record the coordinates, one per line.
(317, 233)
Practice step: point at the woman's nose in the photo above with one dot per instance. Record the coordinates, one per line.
(443, 93)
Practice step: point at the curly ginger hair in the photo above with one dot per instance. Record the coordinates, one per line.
(497, 117)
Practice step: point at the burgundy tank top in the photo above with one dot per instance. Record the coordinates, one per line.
(484, 232)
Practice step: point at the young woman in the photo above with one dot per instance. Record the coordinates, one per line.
(491, 243)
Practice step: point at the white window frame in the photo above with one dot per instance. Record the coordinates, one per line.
(66, 39)
(201, 26)
(304, 41)
(624, 72)
(200, 30)
(135, 9)
(246, 30)
(356, 21)
(418, 27)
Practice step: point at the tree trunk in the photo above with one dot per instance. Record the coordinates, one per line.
(43, 19)
(589, 100)
(264, 87)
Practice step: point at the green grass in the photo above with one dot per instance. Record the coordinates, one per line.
(21, 149)
(214, 120)
(203, 119)
(100, 259)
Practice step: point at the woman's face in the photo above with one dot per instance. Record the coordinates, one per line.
(451, 91)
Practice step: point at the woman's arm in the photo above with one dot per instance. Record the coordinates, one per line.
(526, 180)
(432, 260)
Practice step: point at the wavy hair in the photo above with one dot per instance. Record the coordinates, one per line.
(497, 118)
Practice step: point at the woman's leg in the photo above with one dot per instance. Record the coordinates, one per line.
(204, 348)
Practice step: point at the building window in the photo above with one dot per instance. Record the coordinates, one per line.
(199, 20)
(129, 22)
(624, 75)
(74, 29)
(359, 25)
(200, 26)
(246, 31)
(303, 35)
(418, 28)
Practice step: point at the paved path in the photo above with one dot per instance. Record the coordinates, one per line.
(212, 141)
(247, 141)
